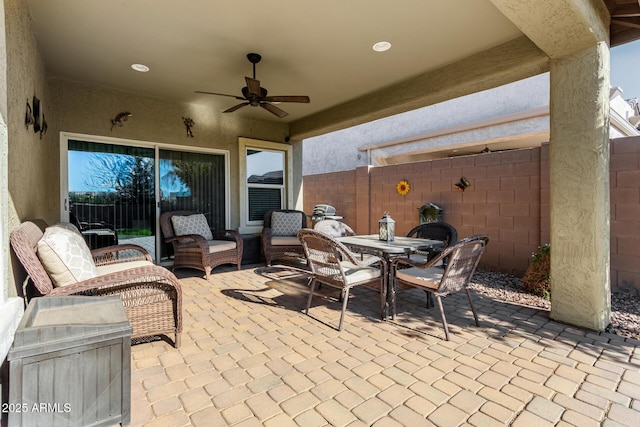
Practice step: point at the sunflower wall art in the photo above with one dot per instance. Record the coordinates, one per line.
(403, 187)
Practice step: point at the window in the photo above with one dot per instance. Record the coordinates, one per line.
(264, 176)
(265, 182)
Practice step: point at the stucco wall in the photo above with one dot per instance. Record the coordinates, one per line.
(85, 109)
(34, 163)
(30, 194)
(508, 199)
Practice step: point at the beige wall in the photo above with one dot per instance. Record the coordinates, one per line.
(33, 163)
(508, 199)
(84, 109)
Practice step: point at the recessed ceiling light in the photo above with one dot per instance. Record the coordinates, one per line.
(140, 67)
(381, 46)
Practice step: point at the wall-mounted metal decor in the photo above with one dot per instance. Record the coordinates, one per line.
(36, 114)
(28, 117)
(462, 185)
(188, 124)
(44, 127)
(120, 119)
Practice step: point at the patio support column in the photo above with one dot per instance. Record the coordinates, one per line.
(579, 195)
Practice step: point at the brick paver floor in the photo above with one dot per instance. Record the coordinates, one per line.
(250, 357)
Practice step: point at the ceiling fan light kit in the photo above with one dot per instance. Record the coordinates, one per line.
(256, 96)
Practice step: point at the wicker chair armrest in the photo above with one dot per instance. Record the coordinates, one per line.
(266, 234)
(151, 275)
(120, 253)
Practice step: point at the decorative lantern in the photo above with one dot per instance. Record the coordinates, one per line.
(387, 227)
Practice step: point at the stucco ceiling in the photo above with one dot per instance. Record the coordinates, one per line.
(322, 49)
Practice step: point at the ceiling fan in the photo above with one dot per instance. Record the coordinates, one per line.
(254, 95)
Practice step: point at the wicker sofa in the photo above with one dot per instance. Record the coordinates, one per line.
(151, 295)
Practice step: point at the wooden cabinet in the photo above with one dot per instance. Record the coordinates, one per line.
(70, 363)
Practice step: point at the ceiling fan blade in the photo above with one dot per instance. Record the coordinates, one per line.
(273, 109)
(303, 99)
(236, 107)
(220, 94)
(253, 85)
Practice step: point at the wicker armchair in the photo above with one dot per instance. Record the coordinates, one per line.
(464, 257)
(151, 295)
(194, 251)
(335, 265)
(279, 239)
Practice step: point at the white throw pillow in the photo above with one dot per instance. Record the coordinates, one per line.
(65, 255)
(192, 224)
(285, 223)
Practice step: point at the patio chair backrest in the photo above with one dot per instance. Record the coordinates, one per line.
(165, 222)
(334, 228)
(442, 231)
(268, 216)
(324, 255)
(464, 257)
(24, 241)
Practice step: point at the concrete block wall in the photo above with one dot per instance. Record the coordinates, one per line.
(508, 199)
(625, 213)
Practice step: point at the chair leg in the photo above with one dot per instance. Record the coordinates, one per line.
(429, 299)
(444, 319)
(473, 308)
(344, 307)
(207, 272)
(312, 287)
(178, 340)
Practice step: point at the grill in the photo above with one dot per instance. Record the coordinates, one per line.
(322, 212)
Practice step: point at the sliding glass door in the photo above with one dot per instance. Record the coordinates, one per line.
(193, 182)
(115, 193)
(112, 193)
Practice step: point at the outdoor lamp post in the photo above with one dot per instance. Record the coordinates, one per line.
(386, 227)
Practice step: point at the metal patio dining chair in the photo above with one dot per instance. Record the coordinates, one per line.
(440, 281)
(442, 231)
(332, 264)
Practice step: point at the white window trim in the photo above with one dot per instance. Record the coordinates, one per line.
(243, 144)
(157, 146)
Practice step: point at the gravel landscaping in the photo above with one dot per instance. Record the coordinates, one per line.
(625, 306)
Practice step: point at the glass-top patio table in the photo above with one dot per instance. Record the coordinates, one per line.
(396, 247)
(399, 246)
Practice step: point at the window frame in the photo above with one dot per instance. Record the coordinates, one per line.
(244, 144)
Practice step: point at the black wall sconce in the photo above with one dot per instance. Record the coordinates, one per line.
(462, 185)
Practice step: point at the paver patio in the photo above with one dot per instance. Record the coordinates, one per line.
(250, 357)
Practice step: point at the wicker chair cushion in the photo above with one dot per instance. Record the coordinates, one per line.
(66, 256)
(121, 266)
(214, 246)
(285, 223)
(191, 224)
(285, 241)
(357, 273)
(423, 277)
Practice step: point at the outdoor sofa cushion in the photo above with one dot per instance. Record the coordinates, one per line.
(285, 223)
(65, 255)
(191, 224)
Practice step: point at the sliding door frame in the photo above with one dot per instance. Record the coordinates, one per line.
(156, 146)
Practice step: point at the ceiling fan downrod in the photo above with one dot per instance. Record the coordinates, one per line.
(254, 58)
